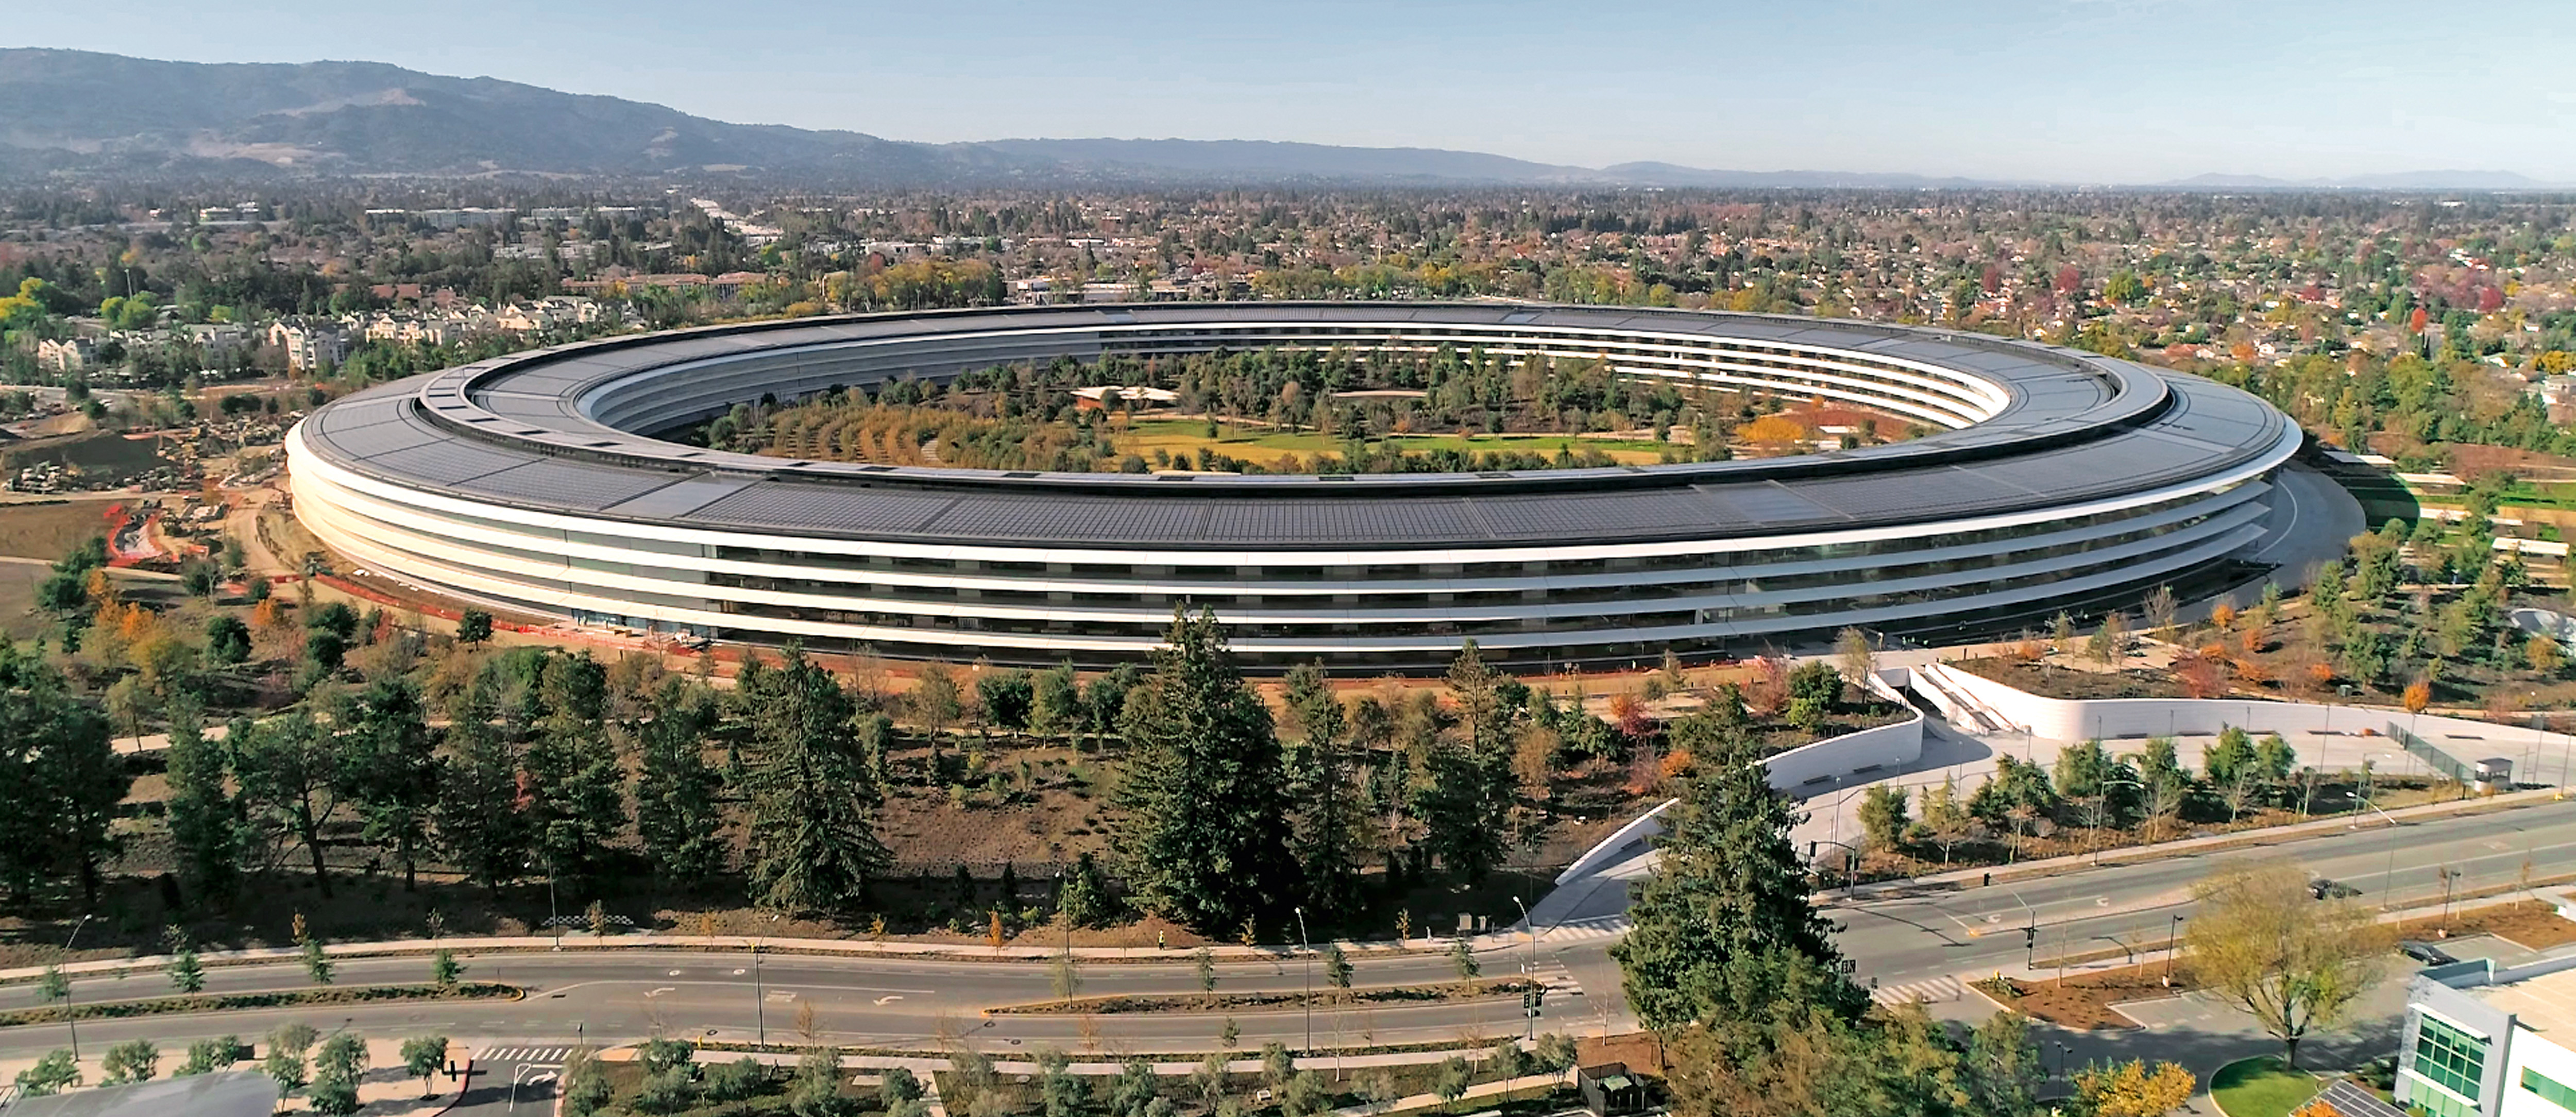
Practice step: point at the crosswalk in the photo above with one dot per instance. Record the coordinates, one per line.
(1585, 930)
(1935, 989)
(539, 1056)
(1553, 976)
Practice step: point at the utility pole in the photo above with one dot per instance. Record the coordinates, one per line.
(759, 1015)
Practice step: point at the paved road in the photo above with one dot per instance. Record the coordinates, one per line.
(1902, 941)
(866, 1001)
(1913, 939)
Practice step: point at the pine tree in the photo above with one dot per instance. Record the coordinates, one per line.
(1729, 893)
(1203, 787)
(574, 793)
(813, 801)
(290, 780)
(60, 780)
(205, 821)
(477, 813)
(1327, 823)
(678, 811)
(390, 767)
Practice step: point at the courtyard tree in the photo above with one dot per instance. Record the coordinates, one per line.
(2295, 964)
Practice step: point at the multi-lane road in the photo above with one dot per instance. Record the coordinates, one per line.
(1905, 942)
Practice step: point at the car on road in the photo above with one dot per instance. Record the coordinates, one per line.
(2324, 889)
(2426, 953)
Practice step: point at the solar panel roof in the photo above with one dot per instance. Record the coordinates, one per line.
(2075, 426)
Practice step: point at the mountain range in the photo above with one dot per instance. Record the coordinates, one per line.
(87, 113)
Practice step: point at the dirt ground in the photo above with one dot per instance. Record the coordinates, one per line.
(2054, 680)
(2532, 924)
(2470, 461)
(2084, 1000)
(18, 583)
(50, 531)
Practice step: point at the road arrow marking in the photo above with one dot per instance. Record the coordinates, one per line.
(890, 997)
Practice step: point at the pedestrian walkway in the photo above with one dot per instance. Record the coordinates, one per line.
(538, 1056)
(1930, 990)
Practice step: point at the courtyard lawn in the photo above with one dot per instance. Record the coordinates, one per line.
(2261, 1088)
(1257, 444)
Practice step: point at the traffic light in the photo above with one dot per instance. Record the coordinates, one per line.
(2030, 936)
(1531, 999)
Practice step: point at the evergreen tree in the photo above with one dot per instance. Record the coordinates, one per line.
(574, 793)
(813, 801)
(291, 781)
(390, 767)
(1463, 795)
(679, 814)
(479, 825)
(1327, 821)
(1205, 833)
(60, 781)
(205, 821)
(1729, 893)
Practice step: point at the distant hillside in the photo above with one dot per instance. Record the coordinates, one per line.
(79, 109)
(1264, 159)
(2403, 180)
(85, 112)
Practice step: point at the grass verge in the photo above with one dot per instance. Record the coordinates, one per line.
(1234, 1002)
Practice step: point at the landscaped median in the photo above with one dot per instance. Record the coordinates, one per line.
(1257, 1001)
(235, 1002)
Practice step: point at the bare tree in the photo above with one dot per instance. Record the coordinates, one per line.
(2160, 610)
(1858, 659)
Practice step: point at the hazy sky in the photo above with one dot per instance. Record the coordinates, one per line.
(2074, 90)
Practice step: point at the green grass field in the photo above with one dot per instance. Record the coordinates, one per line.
(1263, 445)
(2261, 1088)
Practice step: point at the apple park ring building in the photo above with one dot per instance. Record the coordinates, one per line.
(2052, 480)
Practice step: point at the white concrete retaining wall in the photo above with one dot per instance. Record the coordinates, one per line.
(1614, 848)
(2070, 720)
(1870, 750)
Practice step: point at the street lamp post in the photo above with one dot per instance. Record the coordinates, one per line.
(68, 1017)
(1530, 1011)
(1307, 947)
(759, 1014)
(2387, 878)
(2029, 929)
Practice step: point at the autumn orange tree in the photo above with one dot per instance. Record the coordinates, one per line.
(2133, 1089)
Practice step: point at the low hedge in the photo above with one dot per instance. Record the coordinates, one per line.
(279, 998)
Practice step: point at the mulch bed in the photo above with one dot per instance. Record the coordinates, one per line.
(2084, 1000)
